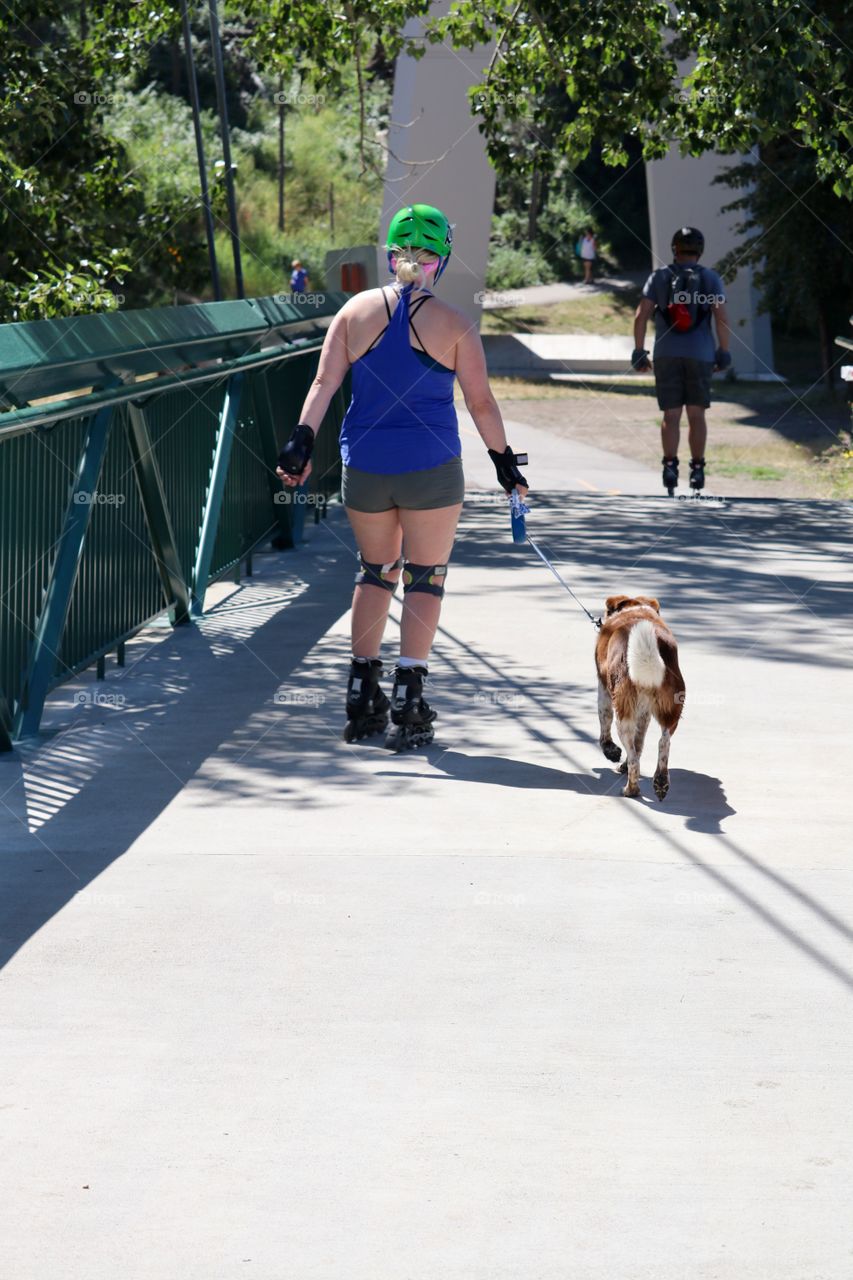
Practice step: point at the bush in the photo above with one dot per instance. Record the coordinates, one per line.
(513, 261)
(514, 268)
(566, 217)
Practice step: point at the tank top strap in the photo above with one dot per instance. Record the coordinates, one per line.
(397, 332)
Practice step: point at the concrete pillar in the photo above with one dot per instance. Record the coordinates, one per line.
(431, 121)
(681, 194)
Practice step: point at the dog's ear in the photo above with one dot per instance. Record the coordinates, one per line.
(651, 602)
(613, 604)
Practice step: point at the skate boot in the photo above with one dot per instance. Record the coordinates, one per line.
(670, 474)
(412, 717)
(697, 474)
(367, 706)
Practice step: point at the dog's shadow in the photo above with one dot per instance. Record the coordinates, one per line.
(697, 797)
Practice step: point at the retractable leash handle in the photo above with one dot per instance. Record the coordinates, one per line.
(518, 510)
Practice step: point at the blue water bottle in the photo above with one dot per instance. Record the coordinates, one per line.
(518, 510)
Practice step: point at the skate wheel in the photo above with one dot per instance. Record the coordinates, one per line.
(404, 738)
(354, 730)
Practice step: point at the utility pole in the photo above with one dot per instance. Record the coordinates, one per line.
(199, 147)
(281, 151)
(222, 106)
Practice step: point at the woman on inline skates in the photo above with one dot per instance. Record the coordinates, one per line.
(402, 476)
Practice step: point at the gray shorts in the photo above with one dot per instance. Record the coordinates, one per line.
(441, 486)
(680, 380)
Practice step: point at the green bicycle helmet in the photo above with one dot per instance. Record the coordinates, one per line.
(421, 226)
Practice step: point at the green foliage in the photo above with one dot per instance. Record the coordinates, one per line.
(77, 227)
(564, 219)
(156, 131)
(324, 41)
(515, 261)
(763, 69)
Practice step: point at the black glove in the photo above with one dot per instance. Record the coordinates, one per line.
(506, 465)
(296, 454)
(722, 359)
(640, 359)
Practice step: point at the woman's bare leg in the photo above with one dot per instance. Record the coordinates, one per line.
(427, 539)
(379, 537)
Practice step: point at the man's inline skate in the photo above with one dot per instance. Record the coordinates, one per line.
(670, 475)
(412, 717)
(367, 705)
(697, 474)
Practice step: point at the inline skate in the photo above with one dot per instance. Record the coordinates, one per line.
(412, 717)
(367, 706)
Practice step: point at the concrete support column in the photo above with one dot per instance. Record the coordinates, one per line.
(681, 194)
(431, 122)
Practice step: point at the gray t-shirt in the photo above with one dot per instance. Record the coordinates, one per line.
(698, 344)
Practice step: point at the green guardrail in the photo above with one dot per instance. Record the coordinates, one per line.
(124, 494)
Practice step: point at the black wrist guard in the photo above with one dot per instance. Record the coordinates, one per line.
(722, 359)
(506, 465)
(296, 454)
(639, 359)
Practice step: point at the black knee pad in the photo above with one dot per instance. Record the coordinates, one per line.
(428, 578)
(376, 575)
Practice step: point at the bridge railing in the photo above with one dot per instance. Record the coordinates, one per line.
(137, 457)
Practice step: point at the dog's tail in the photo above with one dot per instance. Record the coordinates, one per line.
(645, 665)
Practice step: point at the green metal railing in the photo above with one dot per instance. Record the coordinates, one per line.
(125, 495)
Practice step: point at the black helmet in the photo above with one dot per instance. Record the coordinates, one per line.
(688, 240)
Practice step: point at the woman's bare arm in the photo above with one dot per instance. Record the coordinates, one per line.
(331, 371)
(474, 381)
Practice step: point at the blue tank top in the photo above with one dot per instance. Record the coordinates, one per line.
(401, 416)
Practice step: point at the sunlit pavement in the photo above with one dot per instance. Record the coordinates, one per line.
(277, 1006)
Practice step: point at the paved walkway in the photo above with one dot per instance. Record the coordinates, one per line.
(280, 1007)
(545, 294)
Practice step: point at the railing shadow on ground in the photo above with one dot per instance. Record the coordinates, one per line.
(75, 799)
(131, 766)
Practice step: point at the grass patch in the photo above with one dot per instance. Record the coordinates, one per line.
(754, 472)
(604, 312)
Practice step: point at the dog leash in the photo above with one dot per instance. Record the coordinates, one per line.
(519, 509)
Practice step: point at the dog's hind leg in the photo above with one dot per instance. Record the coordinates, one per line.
(627, 730)
(605, 720)
(643, 717)
(661, 778)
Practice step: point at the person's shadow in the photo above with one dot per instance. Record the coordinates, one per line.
(697, 797)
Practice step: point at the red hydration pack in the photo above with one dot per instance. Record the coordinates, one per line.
(683, 311)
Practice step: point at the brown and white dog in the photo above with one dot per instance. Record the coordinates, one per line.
(638, 677)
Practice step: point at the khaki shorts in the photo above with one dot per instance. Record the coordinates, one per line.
(441, 486)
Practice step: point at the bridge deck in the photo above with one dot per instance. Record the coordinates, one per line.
(278, 1006)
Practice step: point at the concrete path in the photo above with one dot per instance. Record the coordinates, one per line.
(546, 294)
(280, 1007)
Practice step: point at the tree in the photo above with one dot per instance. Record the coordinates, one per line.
(77, 227)
(761, 69)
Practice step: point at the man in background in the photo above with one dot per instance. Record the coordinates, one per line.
(298, 277)
(682, 298)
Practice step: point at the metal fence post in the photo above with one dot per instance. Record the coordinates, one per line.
(153, 498)
(5, 724)
(51, 624)
(216, 491)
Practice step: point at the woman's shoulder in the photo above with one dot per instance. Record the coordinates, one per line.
(362, 302)
(449, 315)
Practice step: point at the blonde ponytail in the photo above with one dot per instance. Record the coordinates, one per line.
(408, 268)
(408, 272)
